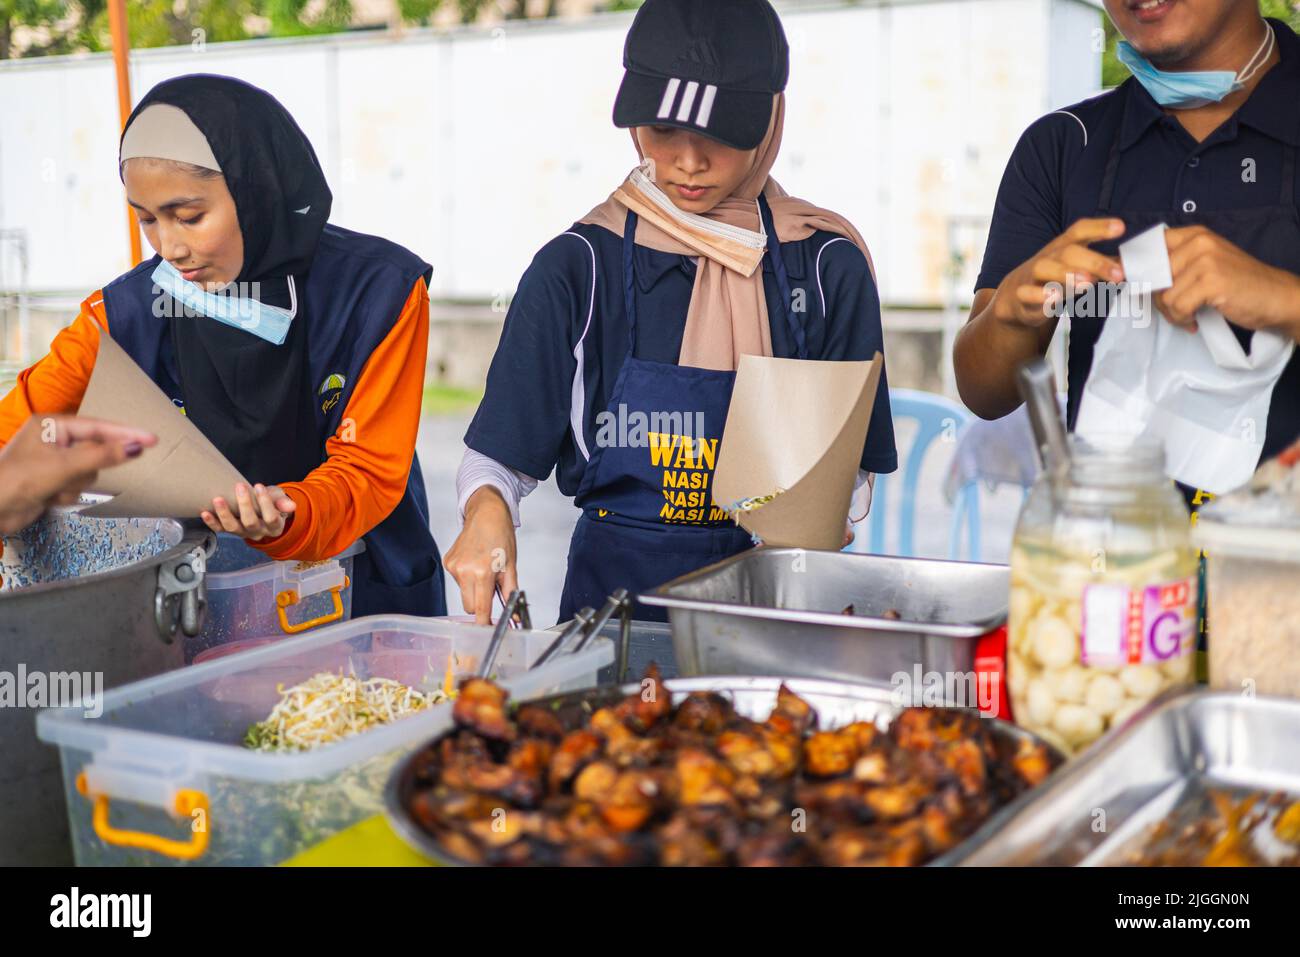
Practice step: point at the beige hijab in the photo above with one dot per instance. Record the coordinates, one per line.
(727, 317)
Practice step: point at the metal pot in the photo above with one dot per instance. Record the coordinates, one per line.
(85, 605)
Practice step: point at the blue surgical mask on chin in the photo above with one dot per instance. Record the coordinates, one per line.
(266, 322)
(1187, 91)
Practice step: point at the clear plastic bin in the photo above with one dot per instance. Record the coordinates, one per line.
(170, 782)
(251, 597)
(1252, 603)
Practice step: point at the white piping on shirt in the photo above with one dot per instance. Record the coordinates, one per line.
(817, 268)
(578, 394)
(1077, 120)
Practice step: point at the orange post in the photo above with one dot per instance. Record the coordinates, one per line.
(121, 50)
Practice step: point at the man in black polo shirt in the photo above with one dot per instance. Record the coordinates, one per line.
(1203, 137)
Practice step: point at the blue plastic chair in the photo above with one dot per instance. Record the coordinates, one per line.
(935, 416)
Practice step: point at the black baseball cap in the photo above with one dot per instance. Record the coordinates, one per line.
(709, 66)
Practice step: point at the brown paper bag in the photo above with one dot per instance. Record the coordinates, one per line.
(178, 477)
(800, 426)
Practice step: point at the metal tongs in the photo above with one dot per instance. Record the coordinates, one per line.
(1038, 389)
(589, 623)
(516, 604)
(586, 623)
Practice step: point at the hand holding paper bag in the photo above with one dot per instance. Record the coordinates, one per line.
(797, 426)
(181, 475)
(1198, 392)
(1208, 270)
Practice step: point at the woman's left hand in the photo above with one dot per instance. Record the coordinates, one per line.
(1210, 271)
(259, 513)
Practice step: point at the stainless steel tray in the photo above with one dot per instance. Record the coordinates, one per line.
(1100, 806)
(777, 611)
(837, 703)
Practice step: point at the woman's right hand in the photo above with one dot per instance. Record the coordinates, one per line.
(1024, 297)
(483, 555)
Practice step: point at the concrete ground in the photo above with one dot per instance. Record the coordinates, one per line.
(548, 516)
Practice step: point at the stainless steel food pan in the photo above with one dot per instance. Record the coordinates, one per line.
(778, 611)
(1098, 809)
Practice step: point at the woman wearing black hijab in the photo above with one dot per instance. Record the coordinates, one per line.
(296, 347)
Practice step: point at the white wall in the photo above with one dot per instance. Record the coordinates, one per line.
(473, 148)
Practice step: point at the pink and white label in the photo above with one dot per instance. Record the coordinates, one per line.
(1124, 625)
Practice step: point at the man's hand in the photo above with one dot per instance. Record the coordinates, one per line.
(262, 513)
(484, 554)
(1023, 297)
(1210, 271)
(52, 459)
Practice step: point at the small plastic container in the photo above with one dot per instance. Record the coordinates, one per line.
(1252, 566)
(250, 597)
(231, 648)
(161, 776)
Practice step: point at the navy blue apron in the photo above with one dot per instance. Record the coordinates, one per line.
(647, 506)
(347, 306)
(1269, 233)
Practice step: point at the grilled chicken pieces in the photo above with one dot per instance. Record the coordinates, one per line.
(641, 781)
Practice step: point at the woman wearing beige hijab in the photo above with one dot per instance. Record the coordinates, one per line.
(619, 351)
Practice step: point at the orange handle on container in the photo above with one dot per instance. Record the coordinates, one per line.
(187, 802)
(287, 598)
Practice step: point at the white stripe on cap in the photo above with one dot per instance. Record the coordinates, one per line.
(706, 107)
(670, 94)
(688, 100)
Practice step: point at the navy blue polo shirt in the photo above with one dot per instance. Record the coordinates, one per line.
(1055, 176)
(567, 315)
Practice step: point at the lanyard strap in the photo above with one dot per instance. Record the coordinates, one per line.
(773, 251)
(782, 278)
(629, 278)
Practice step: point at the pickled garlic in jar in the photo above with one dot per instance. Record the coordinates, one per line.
(1090, 643)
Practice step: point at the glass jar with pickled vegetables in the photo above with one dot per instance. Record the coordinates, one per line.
(1103, 592)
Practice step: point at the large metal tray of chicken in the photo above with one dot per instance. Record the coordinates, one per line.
(711, 771)
(1196, 778)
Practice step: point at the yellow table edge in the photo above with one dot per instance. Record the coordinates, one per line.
(370, 843)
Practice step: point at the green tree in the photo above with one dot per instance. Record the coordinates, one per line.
(26, 13)
(82, 25)
(289, 17)
(77, 25)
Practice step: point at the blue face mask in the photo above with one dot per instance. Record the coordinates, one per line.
(1180, 91)
(1187, 91)
(266, 322)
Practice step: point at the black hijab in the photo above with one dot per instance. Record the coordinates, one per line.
(252, 398)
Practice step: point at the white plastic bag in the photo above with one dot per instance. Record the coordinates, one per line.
(1199, 393)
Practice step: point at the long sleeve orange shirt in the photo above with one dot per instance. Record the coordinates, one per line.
(368, 460)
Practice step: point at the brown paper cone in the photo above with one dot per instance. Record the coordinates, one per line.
(800, 426)
(180, 475)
